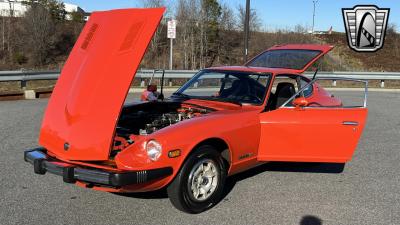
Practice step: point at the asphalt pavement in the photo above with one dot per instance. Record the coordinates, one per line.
(366, 192)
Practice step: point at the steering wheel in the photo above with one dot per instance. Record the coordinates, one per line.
(251, 97)
(252, 93)
(255, 97)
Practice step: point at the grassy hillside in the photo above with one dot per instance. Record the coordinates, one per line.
(387, 59)
(229, 51)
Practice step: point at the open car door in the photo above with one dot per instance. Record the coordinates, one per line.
(311, 133)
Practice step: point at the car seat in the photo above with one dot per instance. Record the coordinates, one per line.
(284, 91)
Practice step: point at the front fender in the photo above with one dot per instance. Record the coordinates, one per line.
(239, 130)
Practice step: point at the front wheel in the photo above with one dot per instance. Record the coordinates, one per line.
(199, 184)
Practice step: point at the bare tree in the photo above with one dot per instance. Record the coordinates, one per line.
(300, 29)
(227, 19)
(3, 31)
(182, 15)
(255, 21)
(39, 30)
(188, 16)
(152, 3)
(10, 17)
(392, 31)
(392, 28)
(228, 41)
(156, 45)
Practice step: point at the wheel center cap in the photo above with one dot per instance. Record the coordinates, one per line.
(205, 181)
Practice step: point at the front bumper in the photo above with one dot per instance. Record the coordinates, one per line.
(43, 163)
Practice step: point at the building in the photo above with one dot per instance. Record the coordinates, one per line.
(12, 8)
(70, 8)
(87, 16)
(17, 8)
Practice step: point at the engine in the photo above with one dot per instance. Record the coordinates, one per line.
(168, 119)
(148, 118)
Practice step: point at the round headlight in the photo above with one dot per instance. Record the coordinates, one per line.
(154, 150)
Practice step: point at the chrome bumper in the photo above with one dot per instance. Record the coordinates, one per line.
(43, 163)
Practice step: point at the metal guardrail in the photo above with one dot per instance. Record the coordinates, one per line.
(53, 75)
(359, 75)
(28, 75)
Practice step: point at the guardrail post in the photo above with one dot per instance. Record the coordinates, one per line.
(141, 82)
(23, 80)
(382, 83)
(334, 83)
(23, 84)
(170, 82)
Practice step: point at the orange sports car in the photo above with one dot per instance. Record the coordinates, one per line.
(222, 121)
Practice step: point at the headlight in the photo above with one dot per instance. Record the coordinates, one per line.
(153, 149)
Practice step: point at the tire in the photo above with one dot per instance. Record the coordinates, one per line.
(204, 168)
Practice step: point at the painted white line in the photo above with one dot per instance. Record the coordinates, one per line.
(362, 89)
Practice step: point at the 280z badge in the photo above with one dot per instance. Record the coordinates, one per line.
(365, 27)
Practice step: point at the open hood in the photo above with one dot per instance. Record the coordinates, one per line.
(296, 57)
(83, 110)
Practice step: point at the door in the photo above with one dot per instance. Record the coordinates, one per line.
(83, 110)
(311, 134)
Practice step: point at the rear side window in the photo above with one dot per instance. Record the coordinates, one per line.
(308, 91)
(288, 59)
(284, 87)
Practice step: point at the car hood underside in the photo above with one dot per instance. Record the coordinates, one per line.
(82, 113)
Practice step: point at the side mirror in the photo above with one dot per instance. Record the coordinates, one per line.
(300, 102)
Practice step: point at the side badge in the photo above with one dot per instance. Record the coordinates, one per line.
(247, 155)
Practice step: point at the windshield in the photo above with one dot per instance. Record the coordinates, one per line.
(226, 86)
(285, 58)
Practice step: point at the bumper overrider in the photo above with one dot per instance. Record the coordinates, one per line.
(43, 163)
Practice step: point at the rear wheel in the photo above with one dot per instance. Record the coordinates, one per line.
(199, 184)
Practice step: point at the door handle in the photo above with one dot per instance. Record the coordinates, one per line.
(350, 123)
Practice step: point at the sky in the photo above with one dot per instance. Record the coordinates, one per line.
(277, 14)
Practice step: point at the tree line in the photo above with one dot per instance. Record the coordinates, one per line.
(42, 38)
(209, 33)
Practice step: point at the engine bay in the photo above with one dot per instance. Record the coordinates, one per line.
(147, 118)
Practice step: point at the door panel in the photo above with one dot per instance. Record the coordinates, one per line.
(310, 134)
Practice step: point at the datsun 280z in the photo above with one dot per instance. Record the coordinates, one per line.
(222, 121)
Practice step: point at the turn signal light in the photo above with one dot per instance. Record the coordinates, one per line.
(174, 153)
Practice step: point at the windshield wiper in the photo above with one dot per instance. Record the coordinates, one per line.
(181, 95)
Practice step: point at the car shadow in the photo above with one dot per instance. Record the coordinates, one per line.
(297, 167)
(159, 194)
(310, 220)
(272, 167)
